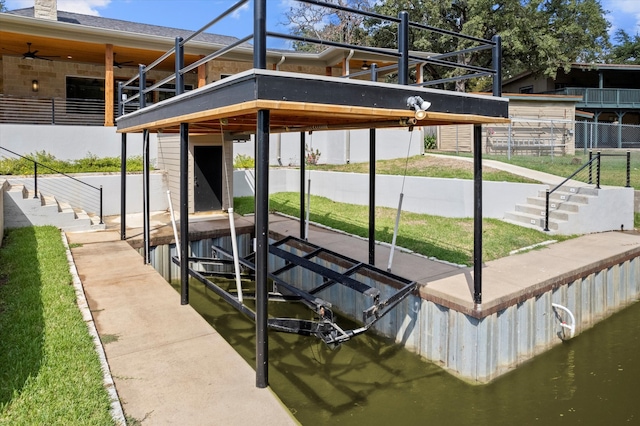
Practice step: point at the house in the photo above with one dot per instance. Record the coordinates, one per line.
(609, 93)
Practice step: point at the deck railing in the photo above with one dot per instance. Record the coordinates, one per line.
(603, 98)
(403, 57)
(22, 110)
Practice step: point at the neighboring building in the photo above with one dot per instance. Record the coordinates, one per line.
(541, 125)
(609, 93)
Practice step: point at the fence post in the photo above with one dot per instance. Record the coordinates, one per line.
(546, 213)
(590, 167)
(35, 179)
(101, 222)
(628, 169)
(598, 171)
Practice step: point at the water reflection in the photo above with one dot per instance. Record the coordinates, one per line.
(590, 380)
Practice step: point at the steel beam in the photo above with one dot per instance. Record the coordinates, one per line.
(477, 216)
(184, 213)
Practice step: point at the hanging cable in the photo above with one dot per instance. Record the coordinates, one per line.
(232, 225)
(395, 230)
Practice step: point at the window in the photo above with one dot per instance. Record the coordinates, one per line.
(526, 89)
(85, 88)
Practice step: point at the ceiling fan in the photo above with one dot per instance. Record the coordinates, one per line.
(120, 64)
(34, 55)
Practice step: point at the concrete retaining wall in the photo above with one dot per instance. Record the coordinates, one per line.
(49, 185)
(3, 187)
(435, 196)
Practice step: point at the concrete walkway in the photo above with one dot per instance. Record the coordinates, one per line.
(168, 364)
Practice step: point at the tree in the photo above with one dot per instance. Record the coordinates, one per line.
(540, 36)
(324, 23)
(3, 8)
(627, 51)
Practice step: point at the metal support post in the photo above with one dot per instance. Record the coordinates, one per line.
(262, 247)
(145, 201)
(35, 180)
(123, 187)
(303, 235)
(546, 214)
(590, 168)
(628, 169)
(184, 213)
(497, 65)
(477, 216)
(403, 48)
(598, 170)
(101, 222)
(260, 34)
(372, 183)
(372, 196)
(179, 64)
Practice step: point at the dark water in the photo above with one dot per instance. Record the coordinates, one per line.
(593, 379)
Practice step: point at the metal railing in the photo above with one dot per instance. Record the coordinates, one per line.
(138, 83)
(586, 174)
(60, 185)
(19, 110)
(606, 97)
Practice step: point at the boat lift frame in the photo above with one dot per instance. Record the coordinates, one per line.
(324, 325)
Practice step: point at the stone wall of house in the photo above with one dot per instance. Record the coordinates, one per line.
(18, 74)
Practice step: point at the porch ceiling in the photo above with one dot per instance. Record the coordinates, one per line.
(15, 44)
(302, 102)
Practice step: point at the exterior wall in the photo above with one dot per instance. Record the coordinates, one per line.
(339, 146)
(169, 160)
(72, 142)
(539, 85)
(544, 122)
(51, 75)
(455, 138)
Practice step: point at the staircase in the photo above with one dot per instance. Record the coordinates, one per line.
(577, 210)
(21, 208)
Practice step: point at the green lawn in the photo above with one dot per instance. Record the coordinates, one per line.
(449, 239)
(49, 369)
(89, 164)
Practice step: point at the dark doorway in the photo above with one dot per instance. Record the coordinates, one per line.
(207, 192)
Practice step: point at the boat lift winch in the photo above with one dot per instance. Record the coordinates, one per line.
(323, 270)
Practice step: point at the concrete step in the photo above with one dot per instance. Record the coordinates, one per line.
(569, 206)
(567, 196)
(531, 220)
(540, 211)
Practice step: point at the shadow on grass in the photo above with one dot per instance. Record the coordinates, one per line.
(21, 313)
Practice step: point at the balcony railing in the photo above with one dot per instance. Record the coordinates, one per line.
(603, 98)
(82, 112)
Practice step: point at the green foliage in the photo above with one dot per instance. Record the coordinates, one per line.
(50, 371)
(627, 51)
(535, 34)
(243, 162)
(49, 164)
(430, 142)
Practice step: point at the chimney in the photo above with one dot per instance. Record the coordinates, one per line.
(46, 9)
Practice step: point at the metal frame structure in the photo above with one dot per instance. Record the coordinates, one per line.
(325, 326)
(261, 102)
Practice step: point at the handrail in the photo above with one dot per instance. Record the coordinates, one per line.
(549, 192)
(259, 48)
(35, 169)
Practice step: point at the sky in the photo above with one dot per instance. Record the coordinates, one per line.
(194, 14)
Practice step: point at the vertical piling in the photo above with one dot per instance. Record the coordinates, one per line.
(477, 216)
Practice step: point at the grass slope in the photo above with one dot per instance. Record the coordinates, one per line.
(50, 371)
(449, 239)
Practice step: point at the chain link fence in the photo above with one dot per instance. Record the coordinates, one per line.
(594, 136)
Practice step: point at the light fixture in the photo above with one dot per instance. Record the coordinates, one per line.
(35, 86)
(420, 105)
(365, 66)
